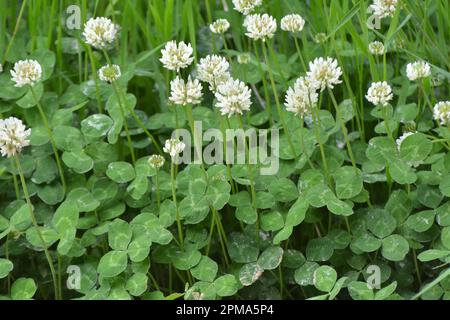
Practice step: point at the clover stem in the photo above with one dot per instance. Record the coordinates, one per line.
(158, 196)
(315, 117)
(52, 140)
(125, 124)
(343, 127)
(277, 102)
(299, 53)
(174, 198)
(36, 227)
(16, 182)
(302, 141)
(265, 87)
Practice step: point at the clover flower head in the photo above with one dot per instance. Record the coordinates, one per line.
(174, 147)
(14, 136)
(109, 73)
(383, 8)
(260, 26)
(233, 97)
(292, 23)
(302, 97)
(100, 32)
(377, 48)
(214, 70)
(441, 112)
(325, 73)
(156, 161)
(1, 68)
(219, 26)
(185, 92)
(380, 93)
(246, 6)
(176, 56)
(418, 70)
(26, 72)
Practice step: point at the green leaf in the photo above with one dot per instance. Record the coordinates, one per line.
(23, 289)
(68, 138)
(320, 249)
(381, 223)
(246, 214)
(348, 182)
(386, 291)
(250, 273)
(324, 278)
(445, 237)
(49, 235)
(226, 285)
(120, 172)
(360, 291)
(271, 221)
(137, 284)
(78, 161)
(6, 267)
(422, 221)
(185, 260)
(270, 258)
(430, 255)
(112, 264)
(415, 148)
(206, 270)
(444, 186)
(297, 212)
(119, 234)
(242, 248)
(304, 276)
(96, 125)
(395, 248)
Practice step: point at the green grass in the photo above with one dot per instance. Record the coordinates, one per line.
(346, 207)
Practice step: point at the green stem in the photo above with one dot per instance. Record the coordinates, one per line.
(277, 101)
(343, 128)
(52, 140)
(174, 198)
(125, 124)
(35, 224)
(299, 53)
(16, 29)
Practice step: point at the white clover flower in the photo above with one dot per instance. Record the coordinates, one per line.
(214, 70)
(400, 140)
(1, 68)
(326, 73)
(156, 161)
(176, 56)
(383, 8)
(292, 23)
(380, 93)
(173, 147)
(100, 32)
(233, 97)
(418, 70)
(246, 6)
(13, 136)
(441, 112)
(302, 97)
(377, 48)
(260, 27)
(26, 72)
(219, 26)
(109, 73)
(184, 93)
